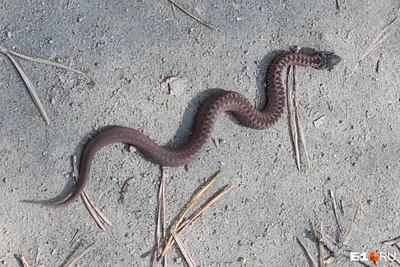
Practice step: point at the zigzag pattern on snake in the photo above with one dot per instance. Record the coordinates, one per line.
(204, 121)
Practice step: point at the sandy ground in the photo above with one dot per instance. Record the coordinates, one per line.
(126, 49)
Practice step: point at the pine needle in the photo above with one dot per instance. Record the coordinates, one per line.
(196, 198)
(184, 224)
(73, 261)
(24, 262)
(307, 252)
(192, 202)
(378, 40)
(37, 60)
(29, 85)
(31, 89)
(192, 16)
(185, 253)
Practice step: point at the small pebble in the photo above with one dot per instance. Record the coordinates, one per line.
(79, 19)
(8, 34)
(241, 259)
(318, 122)
(132, 149)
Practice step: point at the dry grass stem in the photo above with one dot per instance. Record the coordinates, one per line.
(202, 209)
(337, 5)
(163, 220)
(302, 140)
(296, 130)
(24, 262)
(331, 244)
(378, 40)
(31, 89)
(188, 206)
(96, 209)
(391, 241)
(337, 249)
(7, 51)
(160, 235)
(292, 115)
(189, 260)
(92, 212)
(307, 252)
(181, 223)
(334, 207)
(192, 16)
(74, 237)
(95, 212)
(73, 261)
(29, 85)
(196, 198)
(184, 224)
(321, 262)
(347, 238)
(393, 256)
(341, 207)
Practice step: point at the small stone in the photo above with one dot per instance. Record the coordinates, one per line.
(50, 41)
(132, 149)
(178, 86)
(238, 18)
(318, 122)
(52, 101)
(174, 85)
(241, 259)
(79, 19)
(9, 34)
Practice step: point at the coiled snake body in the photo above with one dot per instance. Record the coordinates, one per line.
(204, 121)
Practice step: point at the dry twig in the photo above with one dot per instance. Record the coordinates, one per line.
(192, 16)
(185, 253)
(29, 85)
(296, 130)
(6, 51)
(378, 40)
(95, 212)
(307, 252)
(391, 241)
(73, 261)
(161, 222)
(31, 89)
(24, 262)
(321, 262)
(334, 207)
(182, 224)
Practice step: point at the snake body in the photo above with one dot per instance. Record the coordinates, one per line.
(204, 121)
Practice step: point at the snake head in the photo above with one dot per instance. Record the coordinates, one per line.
(325, 60)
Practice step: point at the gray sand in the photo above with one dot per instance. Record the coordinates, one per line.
(127, 49)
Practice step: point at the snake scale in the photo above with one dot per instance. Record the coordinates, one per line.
(205, 119)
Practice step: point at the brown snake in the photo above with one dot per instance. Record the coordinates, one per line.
(204, 121)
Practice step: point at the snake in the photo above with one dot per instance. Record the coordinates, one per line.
(204, 121)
